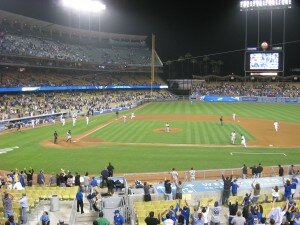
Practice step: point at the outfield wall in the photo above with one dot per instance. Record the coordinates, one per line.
(216, 98)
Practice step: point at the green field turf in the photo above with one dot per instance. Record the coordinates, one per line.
(142, 158)
(191, 132)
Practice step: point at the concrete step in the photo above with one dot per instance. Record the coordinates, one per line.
(86, 217)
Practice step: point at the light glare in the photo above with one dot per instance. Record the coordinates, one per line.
(264, 4)
(84, 5)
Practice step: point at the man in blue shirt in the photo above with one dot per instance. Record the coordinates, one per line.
(94, 182)
(185, 212)
(79, 198)
(118, 219)
(234, 187)
(294, 186)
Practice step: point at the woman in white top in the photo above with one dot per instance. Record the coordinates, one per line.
(275, 193)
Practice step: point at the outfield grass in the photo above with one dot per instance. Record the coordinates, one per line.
(149, 158)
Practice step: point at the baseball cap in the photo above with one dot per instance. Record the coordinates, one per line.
(116, 211)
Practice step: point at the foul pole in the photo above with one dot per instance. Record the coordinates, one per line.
(152, 61)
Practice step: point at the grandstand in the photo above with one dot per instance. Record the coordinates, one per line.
(49, 72)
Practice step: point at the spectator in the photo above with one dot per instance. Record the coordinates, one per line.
(185, 212)
(151, 220)
(24, 205)
(79, 198)
(105, 175)
(239, 219)
(234, 187)
(179, 187)
(256, 191)
(29, 176)
(77, 179)
(287, 189)
(244, 171)
(280, 171)
(259, 170)
(168, 190)
(102, 220)
(226, 189)
(94, 182)
(86, 182)
(118, 218)
(147, 195)
(233, 208)
(294, 186)
(53, 180)
(41, 178)
(7, 204)
(110, 169)
(291, 170)
(110, 186)
(215, 214)
(275, 194)
(45, 219)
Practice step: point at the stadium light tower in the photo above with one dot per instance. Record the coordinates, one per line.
(265, 5)
(86, 6)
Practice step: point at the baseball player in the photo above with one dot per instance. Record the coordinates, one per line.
(87, 119)
(132, 115)
(276, 125)
(63, 121)
(243, 141)
(221, 120)
(192, 174)
(233, 116)
(124, 118)
(55, 137)
(69, 136)
(167, 129)
(233, 137)
(32, 123)
(74, 117)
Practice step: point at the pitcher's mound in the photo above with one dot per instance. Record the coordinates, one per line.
(172, 130)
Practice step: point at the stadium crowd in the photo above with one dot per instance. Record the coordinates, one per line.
(284, 209)
(44, 78)
(17, 40)
(246, 89)
(33, 104)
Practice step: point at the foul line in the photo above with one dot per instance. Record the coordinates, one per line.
(105, 125)
(257, 153)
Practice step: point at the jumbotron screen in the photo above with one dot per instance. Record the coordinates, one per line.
(264, 61)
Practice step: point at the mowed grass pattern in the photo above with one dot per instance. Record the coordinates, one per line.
(132, 158)
(190, 132)
(280, 112)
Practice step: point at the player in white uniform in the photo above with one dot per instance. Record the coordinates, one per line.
(233, 116)
(233, 137)
(87, 119)
(32, 123)
(74, 117)
(192, 174)
(174, 175)
(132, 115)
(124, 118)
(243, 141)
(167, 129)
(63, 121)
(276, 125)
(69, 136)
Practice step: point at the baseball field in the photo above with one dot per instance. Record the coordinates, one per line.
(196, 139)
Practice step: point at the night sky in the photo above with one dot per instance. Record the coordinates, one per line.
(181, 26)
